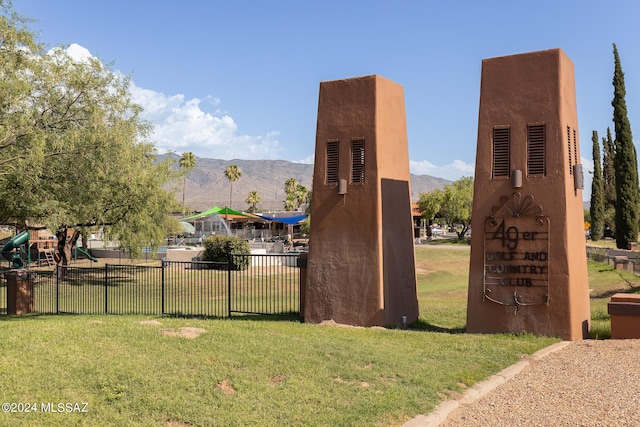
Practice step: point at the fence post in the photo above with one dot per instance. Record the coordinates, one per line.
(302, 281)
(229, 263)
(58, 272)
(163, 265)
(106, 288)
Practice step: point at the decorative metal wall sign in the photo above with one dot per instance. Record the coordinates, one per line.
(516, 253)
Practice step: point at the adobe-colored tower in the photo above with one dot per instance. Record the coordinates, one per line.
(528, 269)
(361, 265)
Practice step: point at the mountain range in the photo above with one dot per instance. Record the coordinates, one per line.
(206, 185)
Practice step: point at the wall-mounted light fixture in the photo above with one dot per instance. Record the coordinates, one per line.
(578, 177)
(516, 178)
(342, 187)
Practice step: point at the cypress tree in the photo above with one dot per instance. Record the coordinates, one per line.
(609, 180)
(597, 193)
(625, 162)
(609, 171)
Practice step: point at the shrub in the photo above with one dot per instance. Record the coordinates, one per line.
(217, 248)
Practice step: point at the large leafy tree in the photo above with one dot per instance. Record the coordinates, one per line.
(19, 53)
(454, 203)
(73, 149)
(187, 163)
(430, 204)
(232, 173)
(625, 162)
(596, 208)
(458, 203)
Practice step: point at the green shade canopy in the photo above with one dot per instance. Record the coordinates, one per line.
(215, 210)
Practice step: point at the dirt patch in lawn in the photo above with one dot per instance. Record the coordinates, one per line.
(226, 388)
(186, 332)
(150, 322)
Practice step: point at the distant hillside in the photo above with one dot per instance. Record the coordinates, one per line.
(207, 185)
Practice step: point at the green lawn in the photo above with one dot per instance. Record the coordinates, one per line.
(605, 281)
(603, 243)
(267, 371)
(443, 276)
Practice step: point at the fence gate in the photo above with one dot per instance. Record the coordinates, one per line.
(270, 284)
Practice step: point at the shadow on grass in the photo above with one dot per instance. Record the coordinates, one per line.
(4, 317)
(285, 317)
(610, 293)
(599, 332)
(447, 241)
(293, 317)
(421, 325)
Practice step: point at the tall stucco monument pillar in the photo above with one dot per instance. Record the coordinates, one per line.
(361, 264)
(528, 268)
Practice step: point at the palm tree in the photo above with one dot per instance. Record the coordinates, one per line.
(290, 186)
(187, 163)
(290, 203)
(253, 199)
(302, 194)
(232, 173)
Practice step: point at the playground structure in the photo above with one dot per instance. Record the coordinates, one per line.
(17, 249)
(29, 247)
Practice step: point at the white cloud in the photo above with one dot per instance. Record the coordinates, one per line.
(181, 125)
(79, 53)
(75, 51)
(309, 160)
(452, 171)
(587, 171)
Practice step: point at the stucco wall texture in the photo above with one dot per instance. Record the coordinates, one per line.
(361, 262)
(536, 88)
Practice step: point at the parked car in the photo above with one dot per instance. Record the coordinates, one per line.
(608, 232)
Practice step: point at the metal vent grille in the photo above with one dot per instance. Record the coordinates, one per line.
(536, 150)
(570, 151)
(332, 162)
(357, 161)
(501, 139)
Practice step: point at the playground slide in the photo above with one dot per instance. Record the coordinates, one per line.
(15, 242)
(87, 254)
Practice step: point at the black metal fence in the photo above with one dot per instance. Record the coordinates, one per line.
(265, 284)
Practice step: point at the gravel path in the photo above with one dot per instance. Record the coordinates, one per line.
(585, 383)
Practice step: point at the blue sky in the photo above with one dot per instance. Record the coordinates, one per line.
(240, 79)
